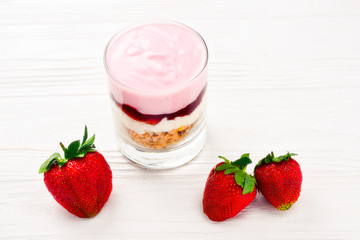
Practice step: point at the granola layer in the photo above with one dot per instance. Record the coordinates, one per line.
(161, 140)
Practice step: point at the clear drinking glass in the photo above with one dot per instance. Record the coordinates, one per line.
(161, 125)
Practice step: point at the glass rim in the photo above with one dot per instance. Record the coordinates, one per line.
(132, 26)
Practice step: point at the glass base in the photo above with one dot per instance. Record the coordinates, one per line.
(166, 158)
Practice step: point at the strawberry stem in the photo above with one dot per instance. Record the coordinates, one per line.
(237, 167)
(62, 146)
(271, 158)
(74, 150)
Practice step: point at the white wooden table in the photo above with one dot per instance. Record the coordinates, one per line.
(283, 76)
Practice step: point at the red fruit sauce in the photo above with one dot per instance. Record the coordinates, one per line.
(155, 119)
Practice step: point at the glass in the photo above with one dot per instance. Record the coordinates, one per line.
(158, 127)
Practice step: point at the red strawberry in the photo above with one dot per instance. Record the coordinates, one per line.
(279, 180)
(229, 189)
(82, 181)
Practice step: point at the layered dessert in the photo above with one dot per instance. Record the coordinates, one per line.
(157, 80)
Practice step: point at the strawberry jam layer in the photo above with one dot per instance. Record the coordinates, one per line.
(155, 119)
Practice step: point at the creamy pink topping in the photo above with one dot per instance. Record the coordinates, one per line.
(152, 67)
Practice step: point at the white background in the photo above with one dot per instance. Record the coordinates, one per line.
(283, 76)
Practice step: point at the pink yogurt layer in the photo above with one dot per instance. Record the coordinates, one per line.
(156, 68)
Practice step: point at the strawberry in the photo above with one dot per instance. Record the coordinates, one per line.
(229, 189)
(279, 180)
(81, 182)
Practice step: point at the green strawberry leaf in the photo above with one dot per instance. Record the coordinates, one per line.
(223, 167)
(249, 184)
(239, 178)
(88, 143)
(62, 162)
(245, 155)
(242, 161)
(225, 159)
(49, 162)
(72, 150)
(284, 157)
(238, 168)
(85, 135)
(271, 158)
(80, 154)
(230, 170)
